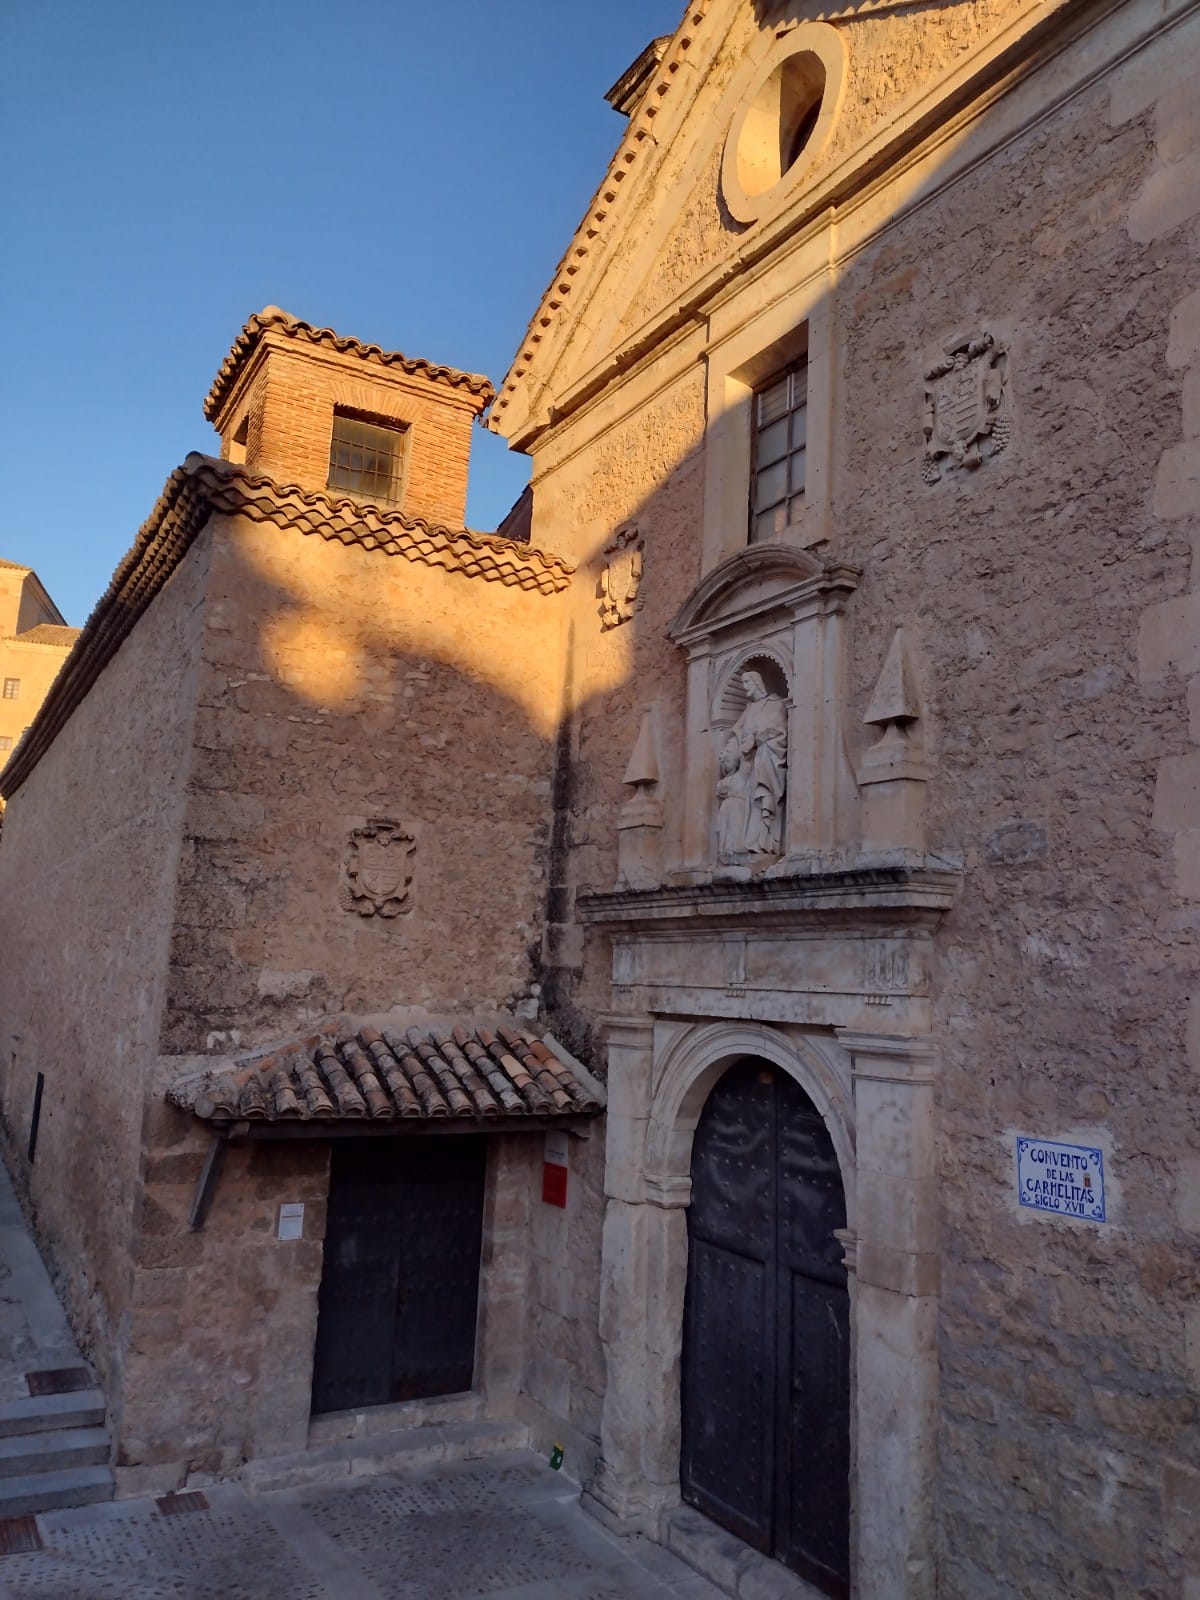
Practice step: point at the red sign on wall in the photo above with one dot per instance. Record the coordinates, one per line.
(554, 1169)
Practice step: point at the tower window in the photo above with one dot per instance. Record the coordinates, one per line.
(12, 688)
(780, 432)
(239, 442)
(367, 458)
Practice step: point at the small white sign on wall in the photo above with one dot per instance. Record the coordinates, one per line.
(291, 1221)
(1066, 1179)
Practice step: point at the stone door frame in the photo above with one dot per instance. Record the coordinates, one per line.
(875, 1094)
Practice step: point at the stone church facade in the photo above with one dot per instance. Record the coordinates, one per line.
(876, 342)
(794, 836)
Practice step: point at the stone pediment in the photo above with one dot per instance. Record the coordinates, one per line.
(661, 226)
(756, 580)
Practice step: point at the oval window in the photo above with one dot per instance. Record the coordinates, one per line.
(787, 111)
(779, 122)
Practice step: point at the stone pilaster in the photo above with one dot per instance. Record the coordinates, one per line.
(641, 1328)
(644, 1264)
(895, 1295)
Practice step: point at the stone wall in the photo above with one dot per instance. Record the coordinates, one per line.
(87, 879)
(339, 686)
(1060, 999)
(217, 1366)
(223, 1320)
(563, 1377)
(645, 468)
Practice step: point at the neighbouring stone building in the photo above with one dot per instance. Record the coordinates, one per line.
(791, 832)
(34, 642)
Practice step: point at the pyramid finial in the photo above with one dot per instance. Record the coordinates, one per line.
(642, 770)
(895, 697)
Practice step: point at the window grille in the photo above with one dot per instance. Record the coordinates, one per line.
(12, 688)
(367, 458)
(5, 742)
(780, 432)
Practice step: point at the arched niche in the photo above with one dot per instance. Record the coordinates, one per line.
(784, 609)
(729, 700)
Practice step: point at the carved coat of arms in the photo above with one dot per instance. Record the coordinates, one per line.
(966, 406)
(378, 869)
(621, 581)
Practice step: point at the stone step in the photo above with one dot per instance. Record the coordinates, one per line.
(329, 1426)
(54, 1491)
(83, 1408)
(23, 1453)
(386, 1452)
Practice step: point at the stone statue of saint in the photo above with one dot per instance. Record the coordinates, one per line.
(753, 776)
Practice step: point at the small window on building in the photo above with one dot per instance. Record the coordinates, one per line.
(780, 433)
(367, 458)
(5, 742)
(12, 688)
(239, 441)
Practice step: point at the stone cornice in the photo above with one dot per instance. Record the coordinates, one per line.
(929, 887)
(203, 487)
(271, 318)
(639, 138)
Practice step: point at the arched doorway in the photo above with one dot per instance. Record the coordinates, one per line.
(766, 1351)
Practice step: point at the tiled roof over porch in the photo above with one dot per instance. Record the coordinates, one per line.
(467, 1070)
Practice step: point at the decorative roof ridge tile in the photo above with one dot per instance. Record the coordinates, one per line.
(203, 485)
(459, 1069)
(272, 318)
(596, 222)
(238, 491)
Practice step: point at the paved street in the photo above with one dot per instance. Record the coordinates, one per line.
(507, 1528)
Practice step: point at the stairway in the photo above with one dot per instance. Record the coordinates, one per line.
(53, 1452)
(54, 1448)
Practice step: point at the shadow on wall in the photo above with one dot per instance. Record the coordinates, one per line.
(340, 689)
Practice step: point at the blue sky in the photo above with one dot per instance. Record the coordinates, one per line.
(402, 170)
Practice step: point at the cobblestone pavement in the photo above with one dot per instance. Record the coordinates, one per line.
(507, 1528)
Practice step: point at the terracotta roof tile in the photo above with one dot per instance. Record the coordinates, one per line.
(513, 562)
(272, 318)
(427, 1071)
(204, 485)
(49, 633)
